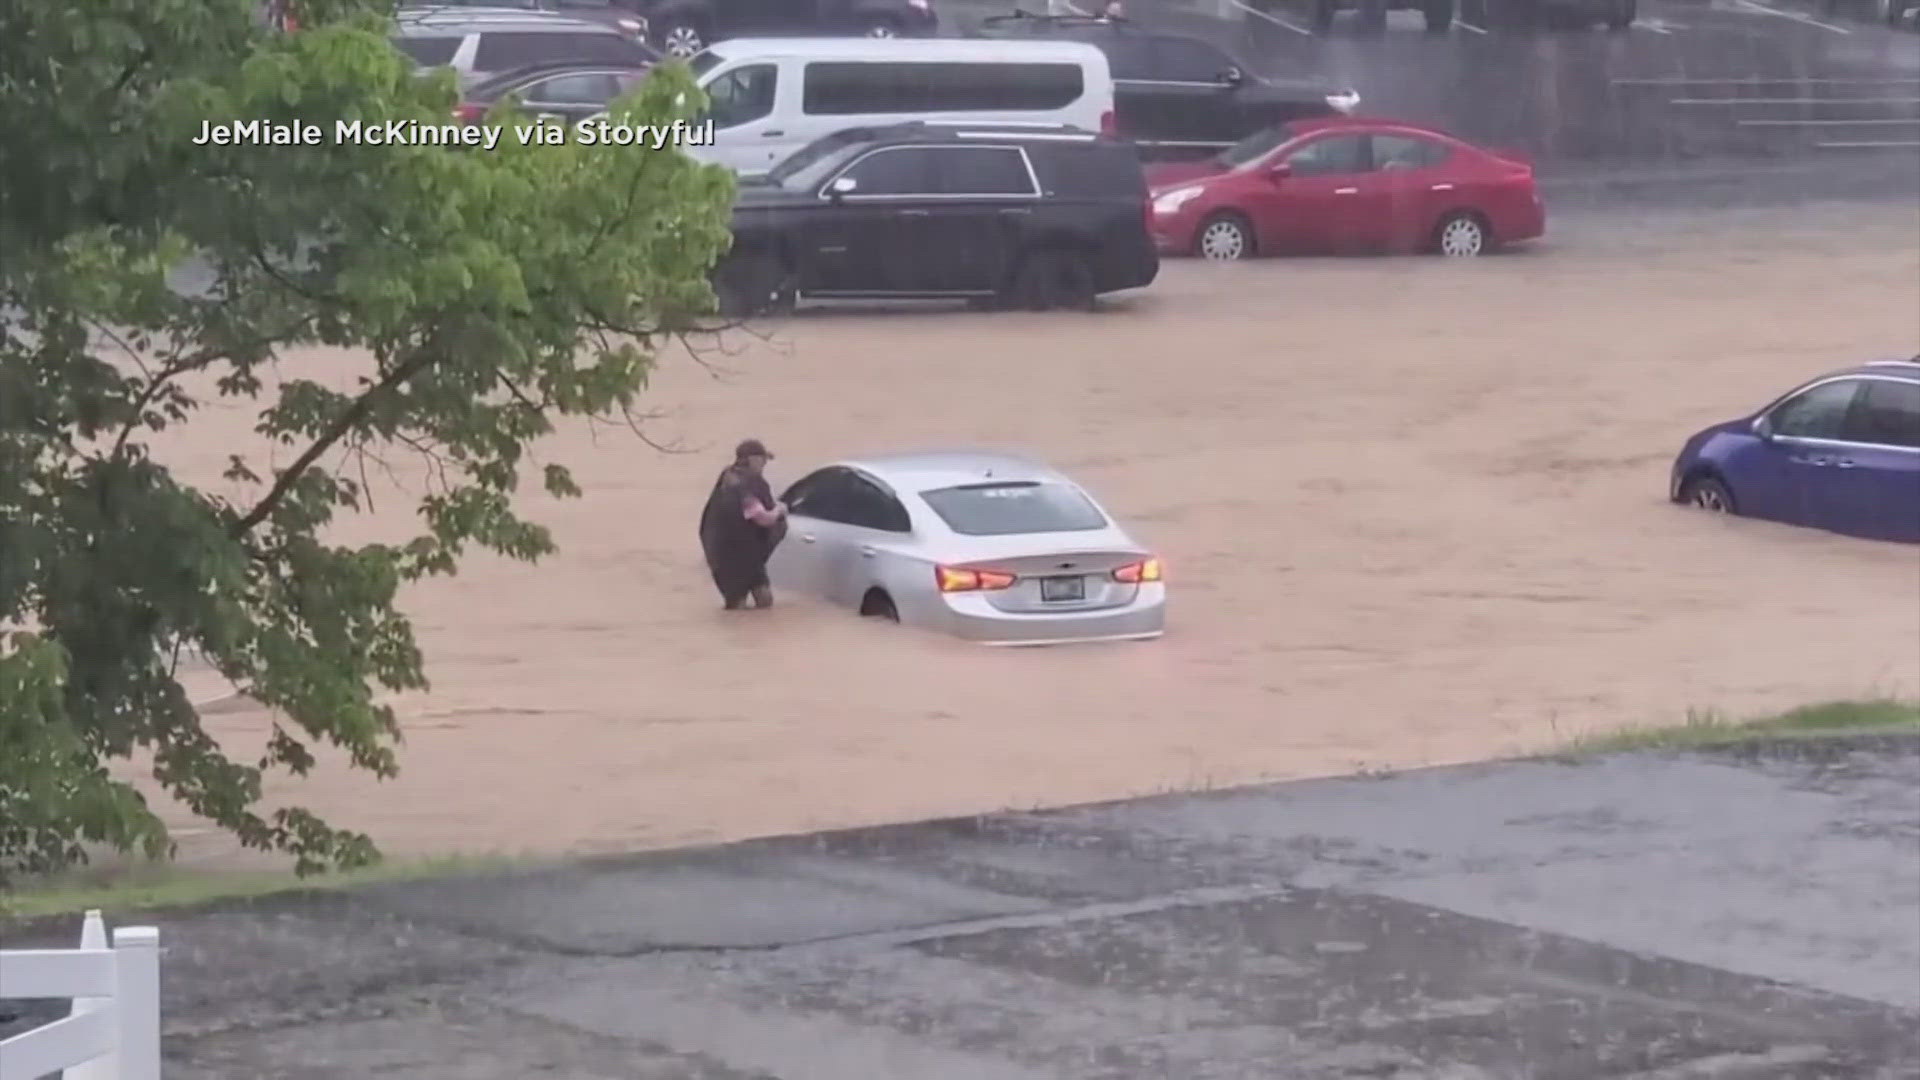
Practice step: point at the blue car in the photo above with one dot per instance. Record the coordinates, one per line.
(1840, 453)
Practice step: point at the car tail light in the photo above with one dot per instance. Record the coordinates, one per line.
(1109, 124)
(470, 113)
(1136, 573)
(955, 579)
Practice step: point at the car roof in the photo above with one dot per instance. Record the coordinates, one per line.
(471, 19)
(1365, 123)
(897, 49)
(558, 67)
(957, 131)
(928, 470)
(1903, 369)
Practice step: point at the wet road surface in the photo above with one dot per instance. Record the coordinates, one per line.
(1692, 80)
(1740, 914)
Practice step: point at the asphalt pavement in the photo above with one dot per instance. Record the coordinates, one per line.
(1734, 914)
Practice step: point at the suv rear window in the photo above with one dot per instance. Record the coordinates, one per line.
(1011, 508)
(429, 51)
(1094, 170)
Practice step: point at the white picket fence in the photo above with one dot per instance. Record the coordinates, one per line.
(113, 1032)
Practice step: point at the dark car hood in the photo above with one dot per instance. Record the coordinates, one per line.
(1168, 173)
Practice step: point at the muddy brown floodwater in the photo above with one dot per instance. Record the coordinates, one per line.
(1413, 513)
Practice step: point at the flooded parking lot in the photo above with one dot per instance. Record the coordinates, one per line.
(1412, 511)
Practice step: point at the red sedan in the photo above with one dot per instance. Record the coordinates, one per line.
(1338, 185)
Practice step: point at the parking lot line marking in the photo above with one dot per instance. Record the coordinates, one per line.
(1889, 145)
(1465, 25)
(1274, 19)
(1750, 81)
(1796, 16)
(1909, 121)
(1796, 101)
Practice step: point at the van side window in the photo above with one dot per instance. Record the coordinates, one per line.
(742, 95)
(858, 89)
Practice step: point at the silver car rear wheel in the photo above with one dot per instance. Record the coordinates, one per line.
(1225, 239)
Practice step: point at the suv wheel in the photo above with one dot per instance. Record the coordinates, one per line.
(1621, 13)
(1439, 15)
(1052, 278)
(1373, 15)
(679, 39)
(753, 284)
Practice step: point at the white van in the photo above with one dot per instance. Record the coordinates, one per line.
(772, 96)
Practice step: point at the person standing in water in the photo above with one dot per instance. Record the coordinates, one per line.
(740, 527)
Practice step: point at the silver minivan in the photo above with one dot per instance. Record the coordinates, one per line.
(477, 42)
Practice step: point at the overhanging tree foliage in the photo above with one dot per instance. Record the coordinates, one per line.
(142, 276)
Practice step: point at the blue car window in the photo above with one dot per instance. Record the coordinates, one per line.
(1888, 414)
(1817, 413)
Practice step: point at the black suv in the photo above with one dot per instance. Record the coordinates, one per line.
(1178, 97)
(684, 27)
(1031, 216)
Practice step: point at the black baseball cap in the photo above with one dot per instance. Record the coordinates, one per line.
(751, 448)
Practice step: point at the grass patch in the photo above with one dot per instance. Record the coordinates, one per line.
(1713, 728)
(159, 885)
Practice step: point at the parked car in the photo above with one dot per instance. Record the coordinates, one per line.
(1031, 216)
(988, 547)
(568, 93)
(1840, 453)
(768, 97)
(684, 27)
(618, 14)
(1179, 97)
(1439, 14)
(1345, 186)
(480, 43)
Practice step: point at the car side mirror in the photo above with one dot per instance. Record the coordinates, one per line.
(1233, 76)
(841, 187)
(1763, 428)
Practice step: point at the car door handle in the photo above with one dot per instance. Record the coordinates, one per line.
(1443, 187)
(868, 551)
(807, 538)
(771, 134)
(912, 213)
(1843, 463)
(1812, 461)
(1346, 191)
(1011, 210)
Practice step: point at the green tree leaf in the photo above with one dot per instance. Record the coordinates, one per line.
(490, 293)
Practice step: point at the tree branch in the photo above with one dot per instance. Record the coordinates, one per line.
(354, 414)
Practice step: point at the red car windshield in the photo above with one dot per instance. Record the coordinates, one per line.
(1257, 145)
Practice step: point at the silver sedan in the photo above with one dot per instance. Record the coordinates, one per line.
(989, 547)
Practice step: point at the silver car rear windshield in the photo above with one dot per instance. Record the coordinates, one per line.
(1004, 509)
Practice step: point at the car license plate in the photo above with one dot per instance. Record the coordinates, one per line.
(1054, 589)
